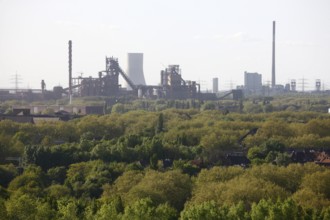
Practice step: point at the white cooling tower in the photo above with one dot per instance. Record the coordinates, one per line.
(135, 68)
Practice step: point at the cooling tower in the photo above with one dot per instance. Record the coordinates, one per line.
(135, 68)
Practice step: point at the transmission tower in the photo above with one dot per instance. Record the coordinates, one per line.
(230, 84)
(203, 84)
(303, 83)
(16, 80)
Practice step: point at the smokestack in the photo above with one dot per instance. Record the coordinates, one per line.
(273, 58)
(70, 69)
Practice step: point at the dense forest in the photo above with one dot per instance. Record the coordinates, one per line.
(165, 164)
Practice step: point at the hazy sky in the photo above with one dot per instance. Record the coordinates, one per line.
(209, 38)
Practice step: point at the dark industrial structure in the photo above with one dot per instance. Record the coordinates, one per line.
(107, 83)
(174, 87)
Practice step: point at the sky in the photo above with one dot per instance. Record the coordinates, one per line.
(209, 38)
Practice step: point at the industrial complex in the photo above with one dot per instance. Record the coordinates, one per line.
(171, 86)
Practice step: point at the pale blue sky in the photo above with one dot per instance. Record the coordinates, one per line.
(210, 38)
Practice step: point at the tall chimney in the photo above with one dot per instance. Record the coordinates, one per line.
(70, 69)
(273, 58)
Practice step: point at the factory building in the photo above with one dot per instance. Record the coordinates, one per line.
(252, 83)
(174, 87)
(106, 84)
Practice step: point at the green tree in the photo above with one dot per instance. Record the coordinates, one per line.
(57, 174)
(118, 108)
(318, 182)
(290, 209)
(160, 124)
(3, 211)
(9, 147)
(87, 178)
(326, 213)
(275, 211)
(57, 191)
(310, 200)
(283, 159)
(91, 124)
(206, 210)
(146, 209)
(244, 188)
(218, 174)
(273, 145)
(31, 182)
(110, 209)
(68, 209)
(123, 184)
(171, 186)
(260, 210)
(208, 106)
(4, 194)
(44, 211)
(7, 173)
(275, 129)
(21, 207)
(318, 127)
(238, 211)
(252, 108)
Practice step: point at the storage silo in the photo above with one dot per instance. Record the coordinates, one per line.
(135, 68)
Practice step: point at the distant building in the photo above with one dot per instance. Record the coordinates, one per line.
(252, 83)
(215, 85)
(70, 109)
